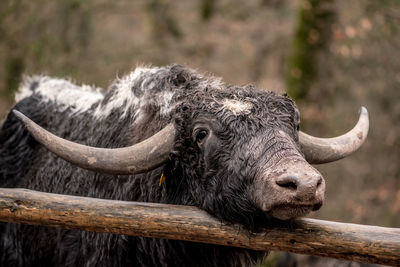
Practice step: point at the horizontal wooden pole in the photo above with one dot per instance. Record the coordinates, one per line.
(305, 236)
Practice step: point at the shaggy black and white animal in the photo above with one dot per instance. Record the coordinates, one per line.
(236, 154)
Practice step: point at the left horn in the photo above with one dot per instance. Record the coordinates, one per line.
(137, 158)
(323, 150)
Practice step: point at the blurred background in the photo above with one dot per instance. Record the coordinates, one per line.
(331, 56)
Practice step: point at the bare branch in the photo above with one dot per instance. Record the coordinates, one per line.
(306, 236)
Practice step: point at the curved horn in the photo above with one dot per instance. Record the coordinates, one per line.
(137, 158)
(323, 150)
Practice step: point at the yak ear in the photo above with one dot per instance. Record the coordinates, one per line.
(138, 158)
(323, 150)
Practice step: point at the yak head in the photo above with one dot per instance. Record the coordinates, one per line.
(236, 153)
(239, 155)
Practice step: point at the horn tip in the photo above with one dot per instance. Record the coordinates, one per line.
(364, 118)
(19, 115)
(363, 111)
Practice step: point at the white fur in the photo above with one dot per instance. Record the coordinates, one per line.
(80, 98)
(124, 97)
(237, 107)
(165, 101)
(62, 92)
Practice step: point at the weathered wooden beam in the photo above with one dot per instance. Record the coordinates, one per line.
(306, 236)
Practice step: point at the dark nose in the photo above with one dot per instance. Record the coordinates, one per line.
(304, 188)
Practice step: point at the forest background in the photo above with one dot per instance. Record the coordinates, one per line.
(331, 56)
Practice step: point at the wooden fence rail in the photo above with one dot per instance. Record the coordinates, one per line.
(305, 236)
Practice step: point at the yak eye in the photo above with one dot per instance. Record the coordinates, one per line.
(201, 135)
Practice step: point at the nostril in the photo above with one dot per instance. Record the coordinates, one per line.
(289, 182)
(290, 185)
(317, 206)
(319, 181)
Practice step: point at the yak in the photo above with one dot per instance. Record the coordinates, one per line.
(233, 151)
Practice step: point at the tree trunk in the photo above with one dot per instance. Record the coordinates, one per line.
(312, 37)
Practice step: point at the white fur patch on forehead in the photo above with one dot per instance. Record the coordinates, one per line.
(237, 107)
(62, 92)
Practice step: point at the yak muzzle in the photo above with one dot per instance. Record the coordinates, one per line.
(292, 189)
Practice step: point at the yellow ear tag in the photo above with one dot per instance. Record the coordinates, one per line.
(162, 179)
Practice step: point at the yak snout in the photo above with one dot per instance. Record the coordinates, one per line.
(300, 187)
(291, 189)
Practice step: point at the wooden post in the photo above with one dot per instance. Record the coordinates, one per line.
(306, 236)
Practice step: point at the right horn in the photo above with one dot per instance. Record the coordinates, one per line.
(323, 150)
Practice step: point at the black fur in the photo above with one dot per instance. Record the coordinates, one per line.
(216, 177)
